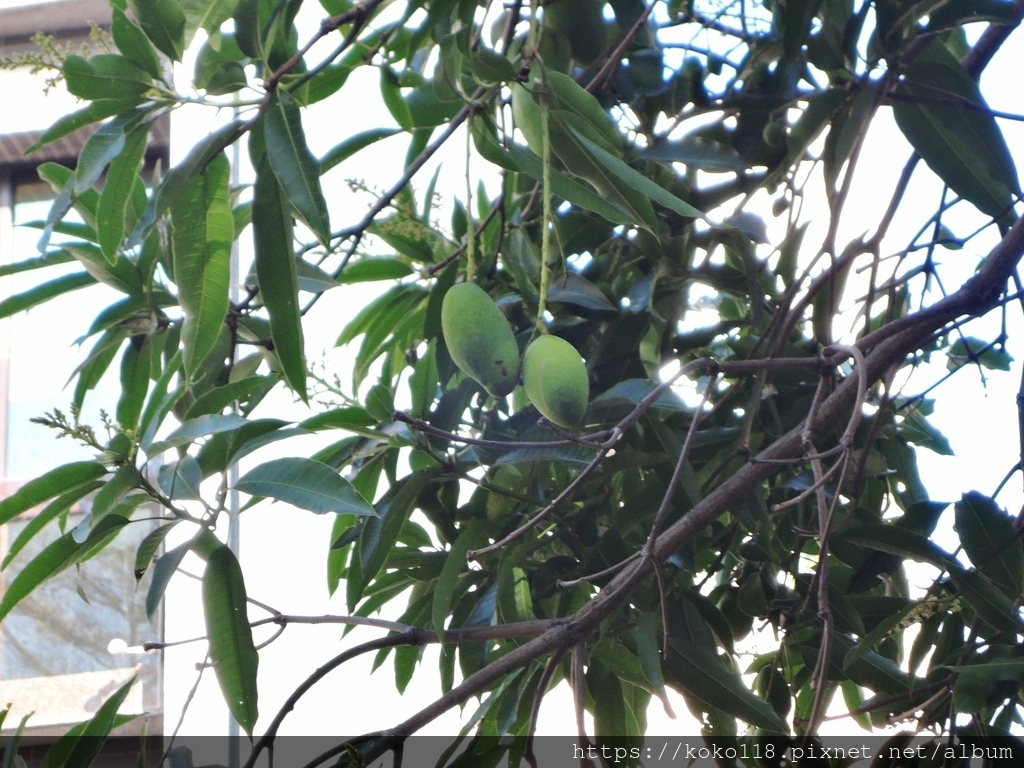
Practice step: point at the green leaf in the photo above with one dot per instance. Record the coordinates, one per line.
(207, 15)
(379, 534)
(202, 231)
(159, 403)
(697, 152)
(181, 479)
(293, 164)
(178, 178)
(58, 506)
(391, 94)
(454, 564)
(277, 276)
(371, 270)
(11, 757)
(163, 21)
(636, 181)
(134, 44)
(219, 398)
(698, 672)
(423, 382)
(166, 566)
(648, 650)
(148, 548)
(104, 76)
(201, 426)
(991, 541)
(991, 605)
(305, 483)
(916, 428)
(572, 288)
(57, 556)
(93, 113)
(869, 669)
(232, 651)
(341, 152)
(898, 541)
(632, 391)
(985, 353)
(517, 159)
(81, 745)
(42, 293)
(53, 483)
(113, 206)
(122, 276)
(941, 111)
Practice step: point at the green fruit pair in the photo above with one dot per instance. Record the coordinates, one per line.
(482, 344)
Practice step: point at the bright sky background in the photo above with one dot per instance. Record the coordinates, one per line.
(979, 419)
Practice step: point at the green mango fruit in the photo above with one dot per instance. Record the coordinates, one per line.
(479, 338)
(556, 380)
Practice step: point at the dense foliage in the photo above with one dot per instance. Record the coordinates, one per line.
(665, 187)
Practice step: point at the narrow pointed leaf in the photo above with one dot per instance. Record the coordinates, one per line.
(991, 605)
(523, 161)
(93, 113)
(232, 651)
(277, 276)
(178, 178)
(117, 192)
(700, 673)
(454, 564)
(899, 541)
(636, 181)
(307, 484)
(81, 745)
(104, 76)
(53, 483)
(57, 556)
(148, 548)
(201, 426)
(353, 144)
(163, 21)
(133, 43)
(44, 292)
(58, 506)
(297, 171)
(202, 231)
(164, 568)
(942, 113)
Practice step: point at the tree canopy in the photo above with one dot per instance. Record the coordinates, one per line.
(714, 427)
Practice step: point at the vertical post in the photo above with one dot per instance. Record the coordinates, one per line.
(6, 257)
(234, 532)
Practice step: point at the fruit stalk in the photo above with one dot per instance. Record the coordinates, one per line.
(545, 239)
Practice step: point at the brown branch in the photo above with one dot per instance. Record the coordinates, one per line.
(979, 293)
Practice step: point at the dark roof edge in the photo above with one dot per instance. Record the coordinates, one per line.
(60, 18)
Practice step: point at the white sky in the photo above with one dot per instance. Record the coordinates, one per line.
(979, 420)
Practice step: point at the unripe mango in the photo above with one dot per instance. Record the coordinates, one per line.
(556, 380)
(479, 338)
